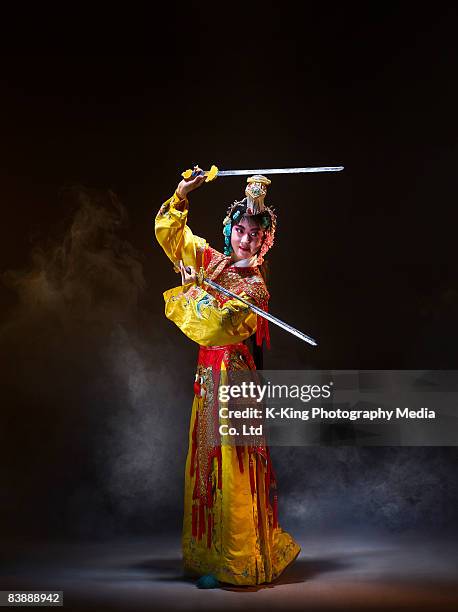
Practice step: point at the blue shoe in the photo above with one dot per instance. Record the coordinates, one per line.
(207, 582)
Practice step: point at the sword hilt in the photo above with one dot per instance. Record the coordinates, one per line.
(211, 174)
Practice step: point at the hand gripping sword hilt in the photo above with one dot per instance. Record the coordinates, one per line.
(211, 174)
(200, 277)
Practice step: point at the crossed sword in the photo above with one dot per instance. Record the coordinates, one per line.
(210, 176)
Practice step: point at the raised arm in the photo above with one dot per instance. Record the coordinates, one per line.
(172, 231)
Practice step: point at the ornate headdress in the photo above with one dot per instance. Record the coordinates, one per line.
(252, 205)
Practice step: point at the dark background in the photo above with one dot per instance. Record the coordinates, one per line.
(96, 383)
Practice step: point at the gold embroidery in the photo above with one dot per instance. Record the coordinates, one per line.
(205, 436)
(238, 280)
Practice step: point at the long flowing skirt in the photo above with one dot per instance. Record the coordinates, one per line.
(234, 533)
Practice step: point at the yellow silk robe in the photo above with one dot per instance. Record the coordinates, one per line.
(244, 545)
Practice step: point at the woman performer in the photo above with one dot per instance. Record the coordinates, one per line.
(230, 528)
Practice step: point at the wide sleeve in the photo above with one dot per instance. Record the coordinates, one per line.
(175, 236)
(203, 320)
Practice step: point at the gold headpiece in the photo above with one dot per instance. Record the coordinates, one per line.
(256, 191)
(253, 204)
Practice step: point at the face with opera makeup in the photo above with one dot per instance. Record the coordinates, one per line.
(246, 238)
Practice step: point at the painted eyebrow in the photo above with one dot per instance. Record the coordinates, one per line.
(254, 228)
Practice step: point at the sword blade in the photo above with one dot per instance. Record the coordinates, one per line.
(263, 313)
(279, 170)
